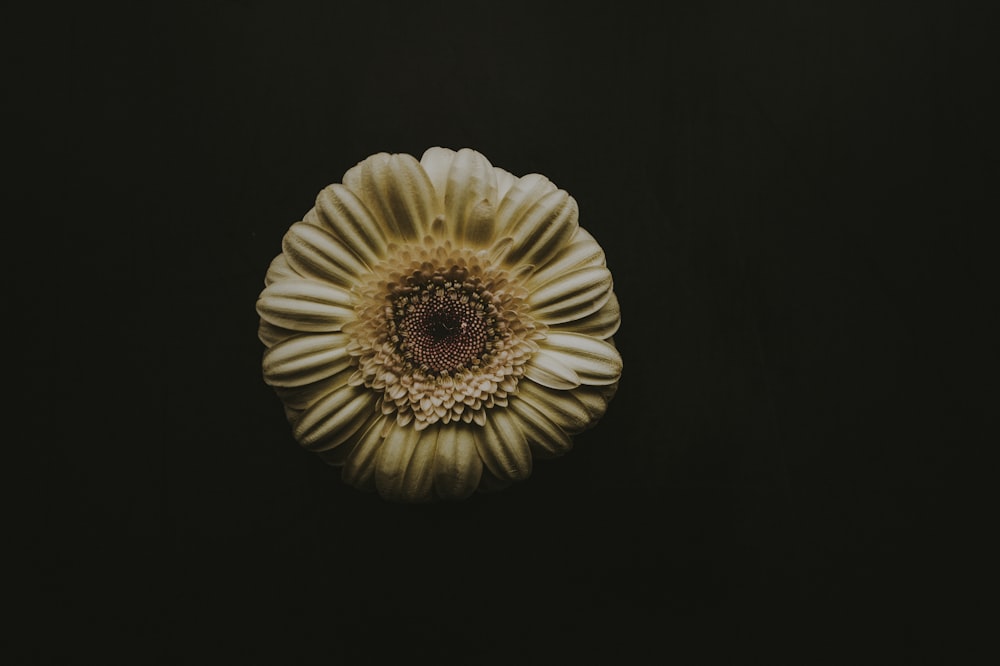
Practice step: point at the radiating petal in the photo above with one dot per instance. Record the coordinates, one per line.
(505, 181)
(279, 270)
(334, 418)
(359, 468)
(574, 296)
(271, 335)
(457, 465)
(313, 251)
(397, 190)
(593, 361)
(560, 407)
(470, 198)
(545, 228)
(601, 324)
(489, 483)
(437, 163)
(306, 395)
(305, 305)
(582, 252)
(306, 358)
(338, 455)
(503, 448)
(342, 213)
(404, 468)
(519, 199)
(595, 399)
(551, 370)
(545, 438)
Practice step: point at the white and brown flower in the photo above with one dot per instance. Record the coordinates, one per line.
(432, 325)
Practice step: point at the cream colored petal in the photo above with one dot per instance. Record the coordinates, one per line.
(292, 415)
(545, 438)
(502, 446)
(306, 358)
(437, 163)
(279, 270)
(491, 484)
(334, 418)
(595, 399)
(457, 465)
(582, 252)
(595, 362)
(405, 465)
(271, 335)
(338, 455)
(574, 296)
(519, 199)
(470, 199)
(359, 467)
(601, 324)
(342, 213)
(551, 371)
(305, 305)
(314, 252)
(505, 181)
(544, 229)
(398, 191)
(299, 398)
(560, 407)
(305, 396)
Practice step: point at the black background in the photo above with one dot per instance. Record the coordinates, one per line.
(788, 195)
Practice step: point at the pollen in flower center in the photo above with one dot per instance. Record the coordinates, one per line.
(442, 329)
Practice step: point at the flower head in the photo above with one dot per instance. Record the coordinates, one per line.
(433, 325)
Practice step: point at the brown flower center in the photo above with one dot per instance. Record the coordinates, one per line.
(443, 329)
(442, 332)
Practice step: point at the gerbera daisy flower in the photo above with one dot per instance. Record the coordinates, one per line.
(432, 326)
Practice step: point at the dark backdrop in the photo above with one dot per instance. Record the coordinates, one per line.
(778, 187)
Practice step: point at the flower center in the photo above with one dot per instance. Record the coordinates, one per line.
(443, 329)
(442, 332)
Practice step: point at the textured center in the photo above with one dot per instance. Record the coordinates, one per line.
(442, 330)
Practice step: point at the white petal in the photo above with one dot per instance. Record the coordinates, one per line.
(582, 252)
(271, 335)
(519, 199)
(505, 181)
(595, 399)
(279, 270)
(470, 198)
(544, 229)
(397, 190)
(314, 252)
(573, 296)
(305, 305)
(560, 407)
(457, 465)
(339, 455)
(490, 483)
(342, 213)
(404, 468)
(503, 448)
(595, 362)
(436, 163)
(551, 371)
(601, 324)
(544, 437)
(306, 358)
(306, 395)
(333, 419)
(359, 468)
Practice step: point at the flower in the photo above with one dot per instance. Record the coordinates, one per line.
(433, 325)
